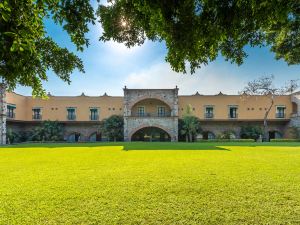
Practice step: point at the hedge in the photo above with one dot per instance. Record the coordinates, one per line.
(227, 140)
(285, 140)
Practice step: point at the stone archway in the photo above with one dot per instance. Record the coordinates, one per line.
(165, 116)
(208, 135)
(133, 103)
(151, 134)
(153, 126)
(74, 137)
(95, 137)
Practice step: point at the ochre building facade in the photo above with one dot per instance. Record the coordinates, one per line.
(149, 114)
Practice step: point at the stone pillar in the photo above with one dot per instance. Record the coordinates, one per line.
(3, 108)
(295, 119)
(126, 114)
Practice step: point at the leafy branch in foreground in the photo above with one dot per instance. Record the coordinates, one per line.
(197, 31)
(27, 52)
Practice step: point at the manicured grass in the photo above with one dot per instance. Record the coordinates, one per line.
(139, 183)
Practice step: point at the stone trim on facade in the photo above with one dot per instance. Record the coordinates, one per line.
(3, 110)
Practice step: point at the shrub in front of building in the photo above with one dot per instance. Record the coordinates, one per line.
(285, 140)
(251, 132)
(227, 140)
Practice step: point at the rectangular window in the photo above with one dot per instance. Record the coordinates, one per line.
(71, 114)
(11, 111)
(141, 111)
(233, 112)
(161, 111)
(209, 112)
(280, 111)
(37, 113)
(94, 114)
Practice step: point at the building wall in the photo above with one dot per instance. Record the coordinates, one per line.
(250, 109)
(55, 108)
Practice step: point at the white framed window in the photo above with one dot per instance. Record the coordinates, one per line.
(232, 111)
(11, 111)
(94, 113)
(161, 111)
(37, 113)
(141, 111)
(209, 111)
(71, 113)
(280, 111)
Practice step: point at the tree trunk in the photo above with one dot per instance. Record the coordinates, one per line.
(186, 138)
(115, 139)
(191, 136)
(266, 132)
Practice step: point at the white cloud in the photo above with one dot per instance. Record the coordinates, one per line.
(207, 80)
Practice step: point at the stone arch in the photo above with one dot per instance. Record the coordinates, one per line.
(207, 135)
(74, 136)
(145, 126)
(275, 134)
(157, 97)
(95, 136)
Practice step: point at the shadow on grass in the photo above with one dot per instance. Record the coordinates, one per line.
(157, 145)
(128, 146)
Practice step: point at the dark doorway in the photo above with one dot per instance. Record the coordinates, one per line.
(75, 137)
(274, 135)
(95, 137)
(151, 134)
(207, 135)
(271, 135)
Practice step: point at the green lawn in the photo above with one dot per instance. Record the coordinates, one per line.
(150, 183)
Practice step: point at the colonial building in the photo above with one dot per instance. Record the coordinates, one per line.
(149, 114)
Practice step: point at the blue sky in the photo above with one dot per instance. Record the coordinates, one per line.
(110, 66)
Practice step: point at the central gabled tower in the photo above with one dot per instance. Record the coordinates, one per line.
(157, 108)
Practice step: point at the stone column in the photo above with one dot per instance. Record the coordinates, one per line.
(126, 114)
(3, 108)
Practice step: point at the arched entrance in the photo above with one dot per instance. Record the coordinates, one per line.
(274, 135)
(74, 137)
(207, 135)
(96, 136)
(151, 107)
(150, 134)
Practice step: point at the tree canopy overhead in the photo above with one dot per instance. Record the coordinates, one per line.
(27, 51)
(196, 31)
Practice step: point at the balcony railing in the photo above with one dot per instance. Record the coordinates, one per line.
(233, 116)
(280, 115)
(36, 116)
(71, 117)
(94, 117)
(167, 114)
(209, 115)
(10, 115)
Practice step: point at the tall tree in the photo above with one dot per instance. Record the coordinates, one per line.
(113, 127)
(197, 31)
(48, 131)
(190, 125)
(27, 51)
(265, 86)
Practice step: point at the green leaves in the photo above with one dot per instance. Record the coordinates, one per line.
(27, 53)
(113, 127)
(195, 32)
